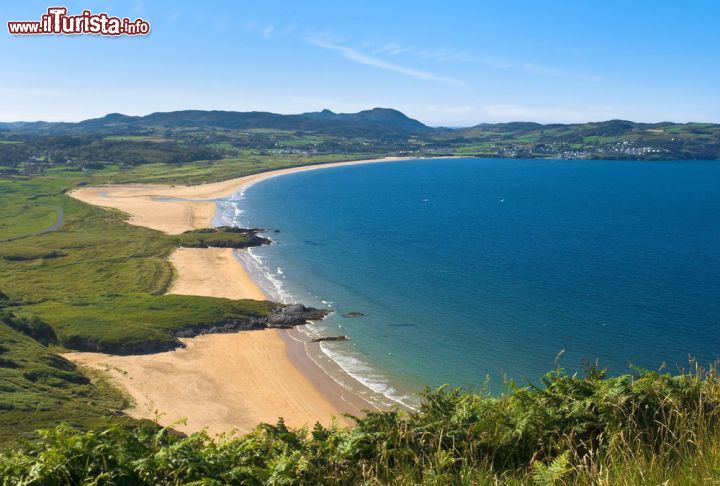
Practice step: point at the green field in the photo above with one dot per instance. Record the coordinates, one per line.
(95, 284)
(26, 208)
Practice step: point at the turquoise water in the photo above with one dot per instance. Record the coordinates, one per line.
(472, 267)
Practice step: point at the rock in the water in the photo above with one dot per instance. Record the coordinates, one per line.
(354, 314)
(330, 338)
(294, 315)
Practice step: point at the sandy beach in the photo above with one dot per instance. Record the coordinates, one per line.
(175, 209)
(212, 272)
(220, 382)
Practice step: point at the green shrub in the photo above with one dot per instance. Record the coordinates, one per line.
(32, 327)
(221, 237)
(641, 428)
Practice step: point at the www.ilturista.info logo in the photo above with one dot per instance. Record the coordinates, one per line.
(57, 21)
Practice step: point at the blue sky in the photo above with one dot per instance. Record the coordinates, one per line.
(444, 63)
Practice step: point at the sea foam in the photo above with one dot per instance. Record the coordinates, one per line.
(230, 213)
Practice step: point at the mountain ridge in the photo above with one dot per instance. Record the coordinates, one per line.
(375, 120)
(371, 119)
(210, 134)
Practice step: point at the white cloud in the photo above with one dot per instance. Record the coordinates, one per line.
(392, 49)
(267, 31)
(379, 56)
(461, 57)
(441, 55)
(362, 58)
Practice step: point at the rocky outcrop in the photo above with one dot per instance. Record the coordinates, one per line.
(294, 315)
(330, 338)
(280, 317)
(222, 237)
(353, 314)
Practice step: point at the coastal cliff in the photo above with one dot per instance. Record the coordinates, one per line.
(279, 317)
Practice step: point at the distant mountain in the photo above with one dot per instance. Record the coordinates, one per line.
(573, 132)
(375, 122)
(386, 117)
(610, 128)
(390, 131)
(606, 139)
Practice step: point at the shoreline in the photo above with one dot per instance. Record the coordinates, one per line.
(220, 383)
(322, 360)
(175, 209)
(286, 364)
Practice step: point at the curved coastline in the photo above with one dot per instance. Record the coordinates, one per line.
(298, 380)
(380, 392)
(175, 209)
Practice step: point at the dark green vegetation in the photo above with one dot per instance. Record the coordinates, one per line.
(221, 237)
(191, 136)
(39, 386)
(97, 284)
(645, 428)
(137, 323)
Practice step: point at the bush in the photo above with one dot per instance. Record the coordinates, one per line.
(644, 427)
(32, 327)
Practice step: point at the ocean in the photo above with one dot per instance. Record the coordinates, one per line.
(472, 271)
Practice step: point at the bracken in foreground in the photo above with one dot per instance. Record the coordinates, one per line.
(640, 428)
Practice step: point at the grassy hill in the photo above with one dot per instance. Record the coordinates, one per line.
(39, 389)
(188, 136)
(96, 284)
